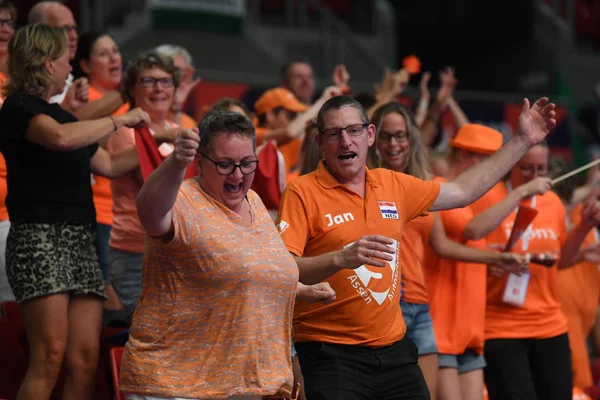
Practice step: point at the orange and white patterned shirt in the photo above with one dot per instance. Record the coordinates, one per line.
(215, 314)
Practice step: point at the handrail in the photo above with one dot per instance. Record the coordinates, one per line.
(553, 12)
(336, 35)
(97, 15)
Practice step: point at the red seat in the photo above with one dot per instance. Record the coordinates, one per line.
(593, 392)
(115, 366)
(11, 311)
(14, 362)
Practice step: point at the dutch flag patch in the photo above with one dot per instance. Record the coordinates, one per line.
(388, 209)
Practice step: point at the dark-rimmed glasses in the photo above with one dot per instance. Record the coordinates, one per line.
(335, 134)
(150, 82)
(228, 167)
(387, 136)
(9, 23)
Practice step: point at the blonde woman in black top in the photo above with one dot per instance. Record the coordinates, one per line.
(51, 258)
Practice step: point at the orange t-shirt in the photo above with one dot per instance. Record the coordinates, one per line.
(415, 239)
(214, 317)
(579, 285)
(291, 153)
(94, 94)
(457, 291)
(3, 188)
(319, 215)
(101, 185)
(260, 134)
(540, 316)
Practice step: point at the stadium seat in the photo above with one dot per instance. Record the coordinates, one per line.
(115, 366)
(14, 362)
(11, 311)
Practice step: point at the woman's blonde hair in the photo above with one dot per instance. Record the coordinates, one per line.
(28, 51)
(418, 162)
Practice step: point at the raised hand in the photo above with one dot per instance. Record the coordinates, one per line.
(537, 121)
(186, 146)
(133, 119)
(340, 76)
(538, 185)
(448, 82)
(187, 84)
(331, 91)
(77, 95)
(591, 212)
(423, 88)
(371, 250)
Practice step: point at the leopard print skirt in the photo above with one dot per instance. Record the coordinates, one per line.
(44, 259)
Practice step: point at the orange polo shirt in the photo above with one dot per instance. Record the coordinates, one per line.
(101, 185)
(319, 215)
(540, 316)
(415, 239)
(457, 291)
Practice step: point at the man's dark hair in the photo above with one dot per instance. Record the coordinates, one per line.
(335, 103)
(216, 122)
(285, 68)
(225, 102)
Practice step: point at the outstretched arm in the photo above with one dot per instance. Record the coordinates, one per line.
(534, 124)
(591, 218)
(484, 223)
(158, 194)
(448, 248)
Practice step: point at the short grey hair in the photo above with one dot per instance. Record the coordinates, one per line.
(216, 122)
(335, 103)
(172, 51)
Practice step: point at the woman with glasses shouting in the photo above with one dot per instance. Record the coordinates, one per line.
(149, 82)
(218, 288)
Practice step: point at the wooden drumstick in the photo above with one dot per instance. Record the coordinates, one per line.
(575, 171)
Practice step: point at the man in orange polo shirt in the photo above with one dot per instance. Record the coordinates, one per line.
(343, 224)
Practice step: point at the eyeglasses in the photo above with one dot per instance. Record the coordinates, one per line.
(69, 28)
(149, 82)
(228, 167)
(387, 136)
(335, 134)
(541, 170)
(9, 23)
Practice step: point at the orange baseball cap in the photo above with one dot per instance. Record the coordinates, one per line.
(478, 139)
(278, 97)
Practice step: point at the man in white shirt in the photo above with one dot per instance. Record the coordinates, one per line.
(58, 15)
(74, 97)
